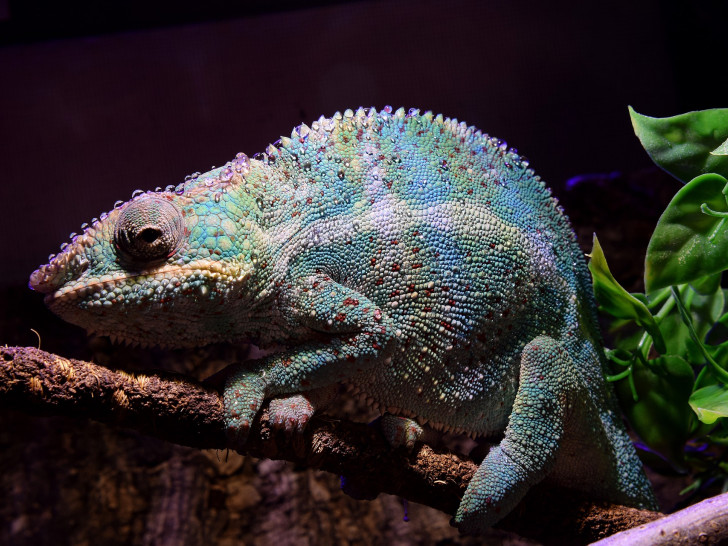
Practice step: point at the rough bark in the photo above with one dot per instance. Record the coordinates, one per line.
(703, 523)
(188, 413)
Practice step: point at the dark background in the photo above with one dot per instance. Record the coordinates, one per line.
(99, 98)
(98, 101)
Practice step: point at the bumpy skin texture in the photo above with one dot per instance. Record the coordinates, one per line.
(409, 256)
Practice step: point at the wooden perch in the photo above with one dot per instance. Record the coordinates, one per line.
(703, 523)
(185, 412)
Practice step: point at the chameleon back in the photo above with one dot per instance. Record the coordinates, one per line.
(453, 235)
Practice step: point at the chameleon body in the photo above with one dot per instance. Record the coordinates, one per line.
(407, 255)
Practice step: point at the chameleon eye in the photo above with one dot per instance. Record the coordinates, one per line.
(148, 229)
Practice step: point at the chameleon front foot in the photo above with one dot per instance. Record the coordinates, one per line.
(242, 397)
(292, 414)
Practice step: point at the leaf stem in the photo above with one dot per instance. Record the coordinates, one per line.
(705, 209)
(645, 342)
(621, 375)
(715, 368)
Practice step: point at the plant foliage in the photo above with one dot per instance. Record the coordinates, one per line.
(671, 343)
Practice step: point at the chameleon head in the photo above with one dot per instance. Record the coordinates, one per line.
(165, 268)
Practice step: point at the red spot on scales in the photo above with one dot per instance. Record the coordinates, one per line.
(350, 301)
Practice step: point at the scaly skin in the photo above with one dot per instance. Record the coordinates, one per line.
(406, 255)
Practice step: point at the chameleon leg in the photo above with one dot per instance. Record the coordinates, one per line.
(527, 452)
(356, 334)
(401, 431)
(293, 413)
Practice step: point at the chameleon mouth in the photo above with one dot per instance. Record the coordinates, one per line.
(172, 306)
(154, 286)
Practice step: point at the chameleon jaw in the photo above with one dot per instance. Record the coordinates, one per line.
(136, 307)
(168, 277)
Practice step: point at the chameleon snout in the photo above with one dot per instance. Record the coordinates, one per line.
(59, 271)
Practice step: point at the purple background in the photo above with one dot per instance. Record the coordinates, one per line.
(87, 118)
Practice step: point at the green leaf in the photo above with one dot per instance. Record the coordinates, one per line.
(675, 334)
(705, 310)
(710, 403)
(719, 353)
(616, 301)
(718, 372)
(690, 241)
(685, 145)
(720, 438)
(661, 415)
(708, 284)
(625, 333)
(722, 149)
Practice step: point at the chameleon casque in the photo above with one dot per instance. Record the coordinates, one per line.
(407, 255)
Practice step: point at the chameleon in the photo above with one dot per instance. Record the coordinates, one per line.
(411, 257)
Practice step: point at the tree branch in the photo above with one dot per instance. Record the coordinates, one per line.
(179, 410)
(703, 523)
